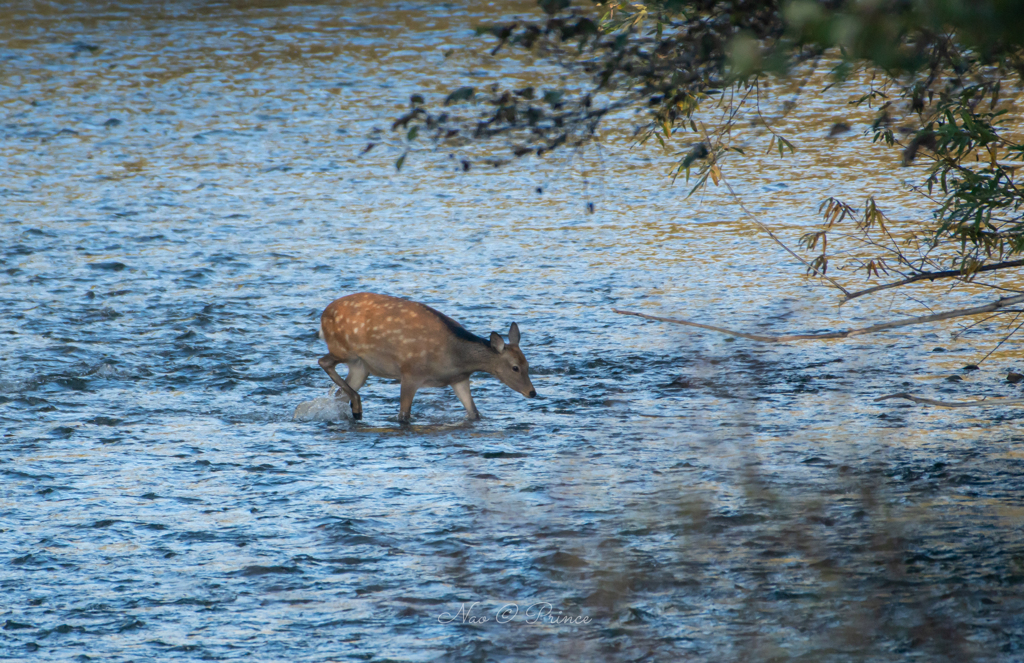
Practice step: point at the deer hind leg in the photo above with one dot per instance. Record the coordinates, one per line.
(357, 373)
(328, 362)
(356, 378)
(461, 390)
(408, 393)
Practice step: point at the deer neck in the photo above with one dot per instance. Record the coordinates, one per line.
(477, 357)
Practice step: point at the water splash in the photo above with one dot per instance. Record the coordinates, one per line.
(326, 408)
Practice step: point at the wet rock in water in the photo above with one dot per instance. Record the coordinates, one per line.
(1013, 377)
(680, 383)
(838, 128)
(954, 378)
(108, 265)
(971, 367)
(938, 349)
(104, 421)
(84, 47)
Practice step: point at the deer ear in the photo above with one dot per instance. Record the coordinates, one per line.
(497, 343)
(513, 334)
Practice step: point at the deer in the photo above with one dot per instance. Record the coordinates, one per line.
(399, 339)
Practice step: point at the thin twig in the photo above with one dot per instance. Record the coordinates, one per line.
(757, 222)
(930, 401)
(1005, 338)
(775, 239)
(974, 324)
(956, 313)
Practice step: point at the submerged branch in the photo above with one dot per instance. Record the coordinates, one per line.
(732, 332)
(930, 401)
(931, 276)
(945, 315)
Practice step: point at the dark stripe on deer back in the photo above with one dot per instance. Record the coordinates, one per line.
(456, 328)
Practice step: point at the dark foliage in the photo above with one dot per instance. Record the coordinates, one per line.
(947, 69)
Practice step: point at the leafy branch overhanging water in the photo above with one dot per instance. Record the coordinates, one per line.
(941, 76)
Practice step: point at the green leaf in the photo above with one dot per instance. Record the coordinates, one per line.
(698, 185)
(401, 161)
(411, 136)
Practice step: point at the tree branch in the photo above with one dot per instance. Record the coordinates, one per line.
(931, 276)
(945, 315)
(778, 241)
(929, 401)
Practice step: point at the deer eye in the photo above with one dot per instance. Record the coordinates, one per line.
(515, 368)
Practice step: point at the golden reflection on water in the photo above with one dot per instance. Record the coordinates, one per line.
(261, 102)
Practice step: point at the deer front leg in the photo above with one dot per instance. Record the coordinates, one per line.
(461, 390)
(408, 393)
(328, 362)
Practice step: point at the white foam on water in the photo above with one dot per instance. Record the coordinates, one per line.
(106, 370)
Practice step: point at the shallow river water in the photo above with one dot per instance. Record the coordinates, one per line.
(183, 193)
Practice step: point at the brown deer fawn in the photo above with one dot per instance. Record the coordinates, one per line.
(404, 340)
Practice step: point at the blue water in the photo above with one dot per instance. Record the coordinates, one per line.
(183, 193)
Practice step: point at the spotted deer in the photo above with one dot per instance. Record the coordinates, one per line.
(404, 340)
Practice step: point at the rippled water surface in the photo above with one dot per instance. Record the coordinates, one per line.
(183, 192)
